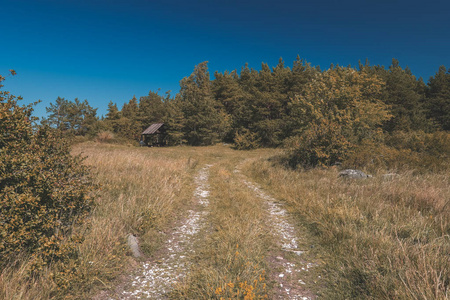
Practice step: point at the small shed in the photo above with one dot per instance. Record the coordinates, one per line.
(154, 135)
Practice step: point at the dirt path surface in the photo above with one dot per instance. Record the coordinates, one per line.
(157, 277)
(171, 266)
(286, 262)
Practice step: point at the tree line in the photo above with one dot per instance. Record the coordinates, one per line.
(330, 111)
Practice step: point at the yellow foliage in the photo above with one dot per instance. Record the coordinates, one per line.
(338, 109)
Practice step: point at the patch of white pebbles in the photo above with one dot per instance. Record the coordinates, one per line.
(156, 279)
(284, 232)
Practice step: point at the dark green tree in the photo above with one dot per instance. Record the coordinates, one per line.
(112, 112)
(205, 119)
(404, 94)
(72, 117)
(151, 109)
(438, 98)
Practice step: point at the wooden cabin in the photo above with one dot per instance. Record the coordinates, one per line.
(154, 136)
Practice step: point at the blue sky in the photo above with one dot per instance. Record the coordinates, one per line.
(103, 50)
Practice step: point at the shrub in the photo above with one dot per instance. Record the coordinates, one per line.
(319, 145)
(44, 191)
(105, 136)
(425, 152)
(337, 111)
(246, 140)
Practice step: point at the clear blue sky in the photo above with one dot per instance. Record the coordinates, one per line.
(103, 50)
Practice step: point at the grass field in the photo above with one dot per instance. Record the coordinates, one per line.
(370, 239)
(382, 239)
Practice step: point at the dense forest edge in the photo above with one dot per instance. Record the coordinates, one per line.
(374, 115)
(381, 120)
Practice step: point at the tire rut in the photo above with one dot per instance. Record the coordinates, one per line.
(286, 263)
(156, 279)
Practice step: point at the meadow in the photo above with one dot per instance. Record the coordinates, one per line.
(370, 239)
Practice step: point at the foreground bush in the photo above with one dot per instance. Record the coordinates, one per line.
(44, 191)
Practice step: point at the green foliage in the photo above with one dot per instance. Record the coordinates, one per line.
(338, 110)
(438, 98)
(246, 140)
(113, 112)
(44, 190)
(259, 101)
(152, 108)
(424, 152)
(319, 145)
(174, 120)
(73, 118)
(405, 95)
(205, 123)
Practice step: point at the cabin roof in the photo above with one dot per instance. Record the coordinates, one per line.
(153, 128)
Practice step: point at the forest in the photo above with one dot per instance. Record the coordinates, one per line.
(321, 116)
(74, 186)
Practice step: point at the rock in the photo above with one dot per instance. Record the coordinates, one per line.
(354, 174)
(133, 244)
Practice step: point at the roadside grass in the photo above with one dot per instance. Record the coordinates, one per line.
(381, 239)
(230, 258)
(142, 190)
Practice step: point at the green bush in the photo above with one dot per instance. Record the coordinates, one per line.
(319, 145)
(338, 110)
(44, 191)
(425, 152)
(246, 140)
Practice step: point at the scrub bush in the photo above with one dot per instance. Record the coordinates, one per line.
(338, 110)
(44, 191)
(246, 140)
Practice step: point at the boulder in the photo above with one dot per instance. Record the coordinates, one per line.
(353, 174)
(133, 244)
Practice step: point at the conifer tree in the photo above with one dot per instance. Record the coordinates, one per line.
(151, 109)
(174, 121)
(404, 94)
(72, 117)
(130, 109)
(205, 120)
(112, 111)
(438, 98)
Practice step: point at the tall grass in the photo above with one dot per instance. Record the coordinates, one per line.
(383, 239)
(142, 191)
(230, 262)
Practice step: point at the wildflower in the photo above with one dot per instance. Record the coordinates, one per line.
(218, 291)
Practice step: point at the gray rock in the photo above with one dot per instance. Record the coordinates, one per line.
(354, 174)
(133, 244)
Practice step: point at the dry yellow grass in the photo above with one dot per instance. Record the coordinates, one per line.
(379, 239)
(231, 256)
(383, 239)
(141, 192)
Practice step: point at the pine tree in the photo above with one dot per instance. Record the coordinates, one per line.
(405, 95)
(130, 109)
(72, 117)
(113, 112)
(205, 120)
(151, 109)
(438, 98)
(174, 121)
